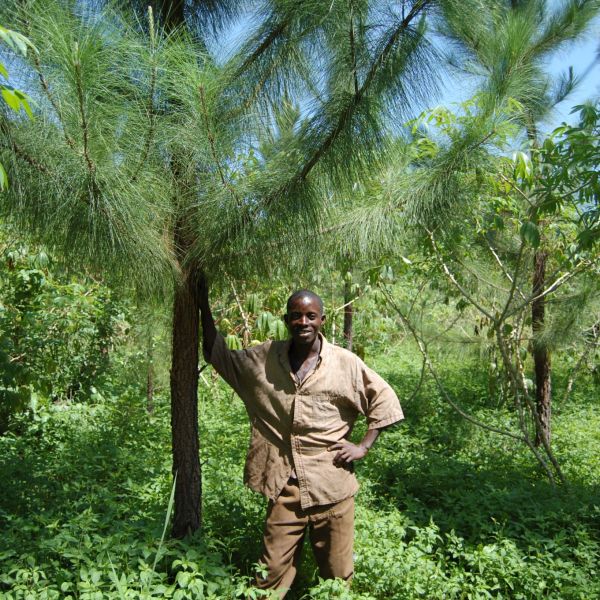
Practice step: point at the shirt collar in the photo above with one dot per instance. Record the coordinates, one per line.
(284, 350)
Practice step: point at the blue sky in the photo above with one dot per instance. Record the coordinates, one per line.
(583, 56)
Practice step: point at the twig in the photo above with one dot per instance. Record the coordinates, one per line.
(454, 281)
(513, 286)
(345, 305)
(480, 278)
(502, 267)
(213, 150)
(246, 333)
(554, 286)
(517, 189)
(420, 384)
(151, 113)
(81, 101)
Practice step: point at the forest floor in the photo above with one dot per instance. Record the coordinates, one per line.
(445, 510)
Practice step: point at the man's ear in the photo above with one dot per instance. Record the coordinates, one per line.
(285, 319)
(323, 317)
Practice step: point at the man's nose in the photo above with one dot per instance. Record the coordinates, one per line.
(303, 320)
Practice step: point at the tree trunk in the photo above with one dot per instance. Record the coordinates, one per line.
(184, 407)
(150, 388)
(541, 356)
(348, 315)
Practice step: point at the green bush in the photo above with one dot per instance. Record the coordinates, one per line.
(445, 510)
(57, 334)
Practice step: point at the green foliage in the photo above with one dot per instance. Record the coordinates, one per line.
(568, 174)
(92, 528)
(444, 512)
(15, 99)
(57, 334)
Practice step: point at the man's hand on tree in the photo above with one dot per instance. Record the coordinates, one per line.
(347, 453)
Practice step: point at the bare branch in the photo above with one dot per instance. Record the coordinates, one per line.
(503, 268)
(427, 361)
(454, 281)
(84, 123)
(579, 267)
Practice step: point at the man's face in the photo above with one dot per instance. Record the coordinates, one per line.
(304, 320)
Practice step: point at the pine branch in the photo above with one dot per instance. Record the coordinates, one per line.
(81, 102)
(46, 87)
(48, 92)
(25, 157)
(150, 108)
(213, 150)
(353, 52)
(275, 33)
(347, 113)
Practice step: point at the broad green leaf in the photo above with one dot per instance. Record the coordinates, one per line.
(530, 233)
(24, 99)
(3, 71)
(523, 166)
(233, 342)
(11, 99)
(3, 179)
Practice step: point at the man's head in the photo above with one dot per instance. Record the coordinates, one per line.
(304, 317)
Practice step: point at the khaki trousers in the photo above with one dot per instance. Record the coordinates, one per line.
(331, 533)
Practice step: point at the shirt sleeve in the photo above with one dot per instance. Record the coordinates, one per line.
(228, 363)
(377, 399)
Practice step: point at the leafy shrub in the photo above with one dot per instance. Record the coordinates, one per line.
(57, 333)
(445, 510)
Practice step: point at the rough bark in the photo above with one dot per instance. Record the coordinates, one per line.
(184, 407)
(541, 355)
(348, 315)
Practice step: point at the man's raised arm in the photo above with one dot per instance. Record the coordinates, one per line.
(209, 331)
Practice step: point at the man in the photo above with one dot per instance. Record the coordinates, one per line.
(303, 397)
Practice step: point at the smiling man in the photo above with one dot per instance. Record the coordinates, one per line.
(303, 397)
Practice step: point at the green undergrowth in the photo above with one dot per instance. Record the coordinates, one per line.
(445, 510)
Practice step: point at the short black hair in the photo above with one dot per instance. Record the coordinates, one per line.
(304, 294)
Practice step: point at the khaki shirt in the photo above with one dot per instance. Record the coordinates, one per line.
(294, 423)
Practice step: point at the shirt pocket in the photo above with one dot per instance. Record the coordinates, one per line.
(327, 412)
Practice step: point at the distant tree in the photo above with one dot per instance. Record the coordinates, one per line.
(508, 44)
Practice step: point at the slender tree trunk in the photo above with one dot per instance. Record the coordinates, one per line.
(348, 315)
(184, 406)
(541, 355)
(150, 385)
(184, 353)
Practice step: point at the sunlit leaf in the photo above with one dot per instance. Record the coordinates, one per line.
(530, 233)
